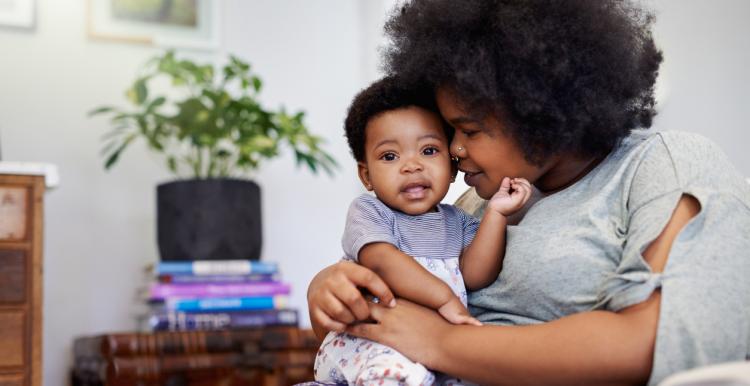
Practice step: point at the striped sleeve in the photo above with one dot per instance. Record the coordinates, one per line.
(470, 226)
(368, 221)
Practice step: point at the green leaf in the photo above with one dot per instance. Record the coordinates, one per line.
(138, 93)
(172, 164)
(157, 102)
(257, 83)
(116, 154)
(311, 163)
(100, 110)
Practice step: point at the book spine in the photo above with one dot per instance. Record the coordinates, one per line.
(170, 343)
(228, 303)
(210, 279)
(180, 321)
(155, 367)
(162, 291)
(192, 342)
(216, 267)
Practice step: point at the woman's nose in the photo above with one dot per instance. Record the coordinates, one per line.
(456, 149)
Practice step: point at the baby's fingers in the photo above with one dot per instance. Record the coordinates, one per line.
(465, 319)
(521, 189)
(473, 322)
(505, 185)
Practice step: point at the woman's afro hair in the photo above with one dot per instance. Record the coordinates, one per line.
(386, 94)
(565, 76)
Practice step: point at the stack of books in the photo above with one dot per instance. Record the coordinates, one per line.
(218, 294)
(270, 356)
(212, 323)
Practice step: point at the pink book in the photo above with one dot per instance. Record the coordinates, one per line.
(162, 291)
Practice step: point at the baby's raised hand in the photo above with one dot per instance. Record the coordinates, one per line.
(455, 312)
(512, 195)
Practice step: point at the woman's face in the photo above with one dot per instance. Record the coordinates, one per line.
(486, 154)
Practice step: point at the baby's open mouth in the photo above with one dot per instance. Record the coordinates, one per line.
(415, 191)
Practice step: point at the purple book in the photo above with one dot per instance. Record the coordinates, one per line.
(181, 321)
(190, 279)
(163, 291)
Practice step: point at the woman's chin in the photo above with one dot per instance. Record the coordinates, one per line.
(485, 192)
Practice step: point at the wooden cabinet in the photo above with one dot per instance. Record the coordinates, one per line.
(21, 198)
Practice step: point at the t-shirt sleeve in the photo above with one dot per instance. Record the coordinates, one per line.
(470, 225)
(368, 221)
(653, 195)
(704, 316)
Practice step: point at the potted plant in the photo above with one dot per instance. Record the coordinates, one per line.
(213, 133)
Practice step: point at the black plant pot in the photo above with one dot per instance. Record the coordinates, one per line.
(214, 219)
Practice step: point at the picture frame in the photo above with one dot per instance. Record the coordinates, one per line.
(190, 24)
(18, 14)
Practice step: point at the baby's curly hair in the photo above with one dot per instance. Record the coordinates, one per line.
(389, 93)
(572, 76)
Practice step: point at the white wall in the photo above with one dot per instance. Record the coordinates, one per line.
(706, 47)
(313, 56)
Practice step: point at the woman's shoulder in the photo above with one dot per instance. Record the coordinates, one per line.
(670, 161)
(681, 149)
(696, 161)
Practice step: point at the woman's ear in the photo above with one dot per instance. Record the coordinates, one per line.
(364, 175)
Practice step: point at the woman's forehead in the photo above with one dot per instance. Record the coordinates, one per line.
(456, 112)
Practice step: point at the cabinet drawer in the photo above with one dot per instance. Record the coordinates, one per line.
(12, 333)
(12, 276)
(14, 202)
(12, 380)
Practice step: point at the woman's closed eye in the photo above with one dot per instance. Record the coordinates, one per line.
(469, 133)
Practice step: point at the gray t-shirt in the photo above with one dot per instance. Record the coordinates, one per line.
(580, 249)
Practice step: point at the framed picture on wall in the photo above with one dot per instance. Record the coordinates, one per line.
(17, 13)
(169, 23)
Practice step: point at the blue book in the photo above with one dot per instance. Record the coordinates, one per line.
(216, 267)
(182, 321)
(228, 303)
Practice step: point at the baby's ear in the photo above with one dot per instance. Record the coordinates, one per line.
(364, 175)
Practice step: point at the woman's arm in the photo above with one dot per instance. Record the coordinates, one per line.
(595, 347)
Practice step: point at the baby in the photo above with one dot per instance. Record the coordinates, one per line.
(426, 252)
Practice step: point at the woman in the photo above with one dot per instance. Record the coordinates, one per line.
(633, 263)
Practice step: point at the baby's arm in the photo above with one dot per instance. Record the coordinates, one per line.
(482, 260)
(408, 279)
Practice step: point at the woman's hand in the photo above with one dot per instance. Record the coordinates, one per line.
(413, 330)
(334, 298)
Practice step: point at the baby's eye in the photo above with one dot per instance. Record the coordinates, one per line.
(470, 133)
(388, 157)
(430, 151)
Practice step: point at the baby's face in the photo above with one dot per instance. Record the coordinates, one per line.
(407, 161)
